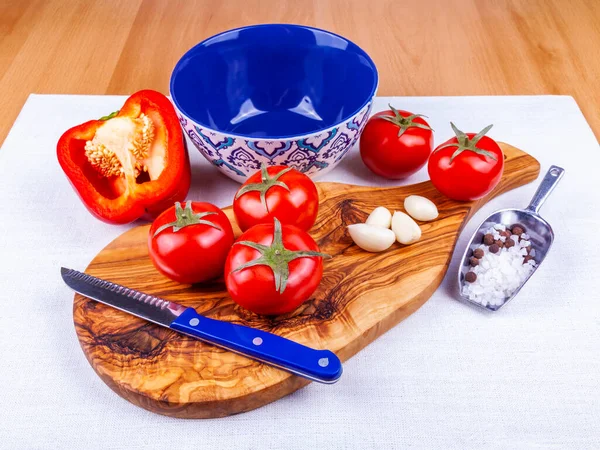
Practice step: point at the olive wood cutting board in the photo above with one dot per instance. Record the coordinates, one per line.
(361, 296)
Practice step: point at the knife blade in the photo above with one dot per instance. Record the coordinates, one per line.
(318, 365)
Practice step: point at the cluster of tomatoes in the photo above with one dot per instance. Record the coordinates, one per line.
(272, 268)
(396, 144)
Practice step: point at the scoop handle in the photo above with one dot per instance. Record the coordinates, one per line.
(548, 184)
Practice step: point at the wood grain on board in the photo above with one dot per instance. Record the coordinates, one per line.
(361, 296)
(427, 47)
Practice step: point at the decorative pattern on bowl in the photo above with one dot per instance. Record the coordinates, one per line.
(239, 157)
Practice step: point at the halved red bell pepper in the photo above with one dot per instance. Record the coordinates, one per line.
(130, 164)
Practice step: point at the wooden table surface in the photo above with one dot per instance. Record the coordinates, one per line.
(422, 47)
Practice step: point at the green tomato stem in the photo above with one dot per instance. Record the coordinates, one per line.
(276, 256)
(404, 123)
(267, 182)
(465, 144)
(185, 218)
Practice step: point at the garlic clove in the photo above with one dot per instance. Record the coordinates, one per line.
(405, 228)
(370, 237)
(380, 217)
(420, 208)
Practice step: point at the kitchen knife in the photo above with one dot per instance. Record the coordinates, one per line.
(317, 365)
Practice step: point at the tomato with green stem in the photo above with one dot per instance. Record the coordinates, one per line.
(467, 166)
(277, 192)
(190, 245)
(396, 143)
(273, 268)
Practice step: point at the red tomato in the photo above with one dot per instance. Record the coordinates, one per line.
(272, 269)
(281, 192)
(190, 244)
(468, 166)
(396, 144)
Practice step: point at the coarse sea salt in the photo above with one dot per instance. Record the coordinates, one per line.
(499, 275)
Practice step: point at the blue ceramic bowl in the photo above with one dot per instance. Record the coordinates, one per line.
(274, 94)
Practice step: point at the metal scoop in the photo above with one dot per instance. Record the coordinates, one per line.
(540, 232)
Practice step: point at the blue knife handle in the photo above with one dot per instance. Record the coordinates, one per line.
(318, 365)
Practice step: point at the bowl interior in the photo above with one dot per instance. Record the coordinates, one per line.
(273, 81)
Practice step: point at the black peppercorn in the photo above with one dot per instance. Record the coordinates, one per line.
(518, 230)
(473, 261)
(470, 277)
(488, 239)
(509, 243)
(478, 253)
(494, 248)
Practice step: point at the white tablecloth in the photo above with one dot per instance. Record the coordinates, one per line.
(449, 376)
